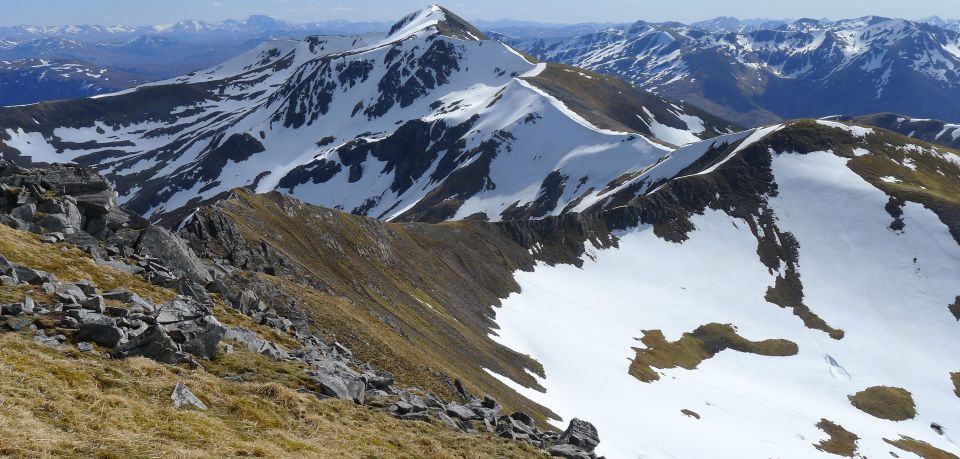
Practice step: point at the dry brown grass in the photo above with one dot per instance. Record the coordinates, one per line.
(920, 448)
(955, 377)
(841, 442)
(695, 347)
(71, 264)
(56, 403)
(884, 402)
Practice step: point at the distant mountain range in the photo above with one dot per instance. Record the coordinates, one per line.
(756, 75)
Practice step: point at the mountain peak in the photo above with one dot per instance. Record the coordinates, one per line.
(439, 18)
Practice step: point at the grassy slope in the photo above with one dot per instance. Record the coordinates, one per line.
(414, 299)
(62, 403)
(59, 402)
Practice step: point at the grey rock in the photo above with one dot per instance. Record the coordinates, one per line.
(379, 379)
(461, 412)
(174, 253)
(69, 323)
(154, 343)
(56, 222)
(183, 398)
(100, 329)
(114, 311)
(337, 379)
(122, 295)
(581, 434)
(568, 451)
(415, 403)
(42, 338)
(417, 416)
(446, 420)
(33, 276)
(6, 268)
(11, 309)
(254, 343)
(29, 306)
(69, 292)
(178, 310)
(8, 280)
(95, 303)
(16, 324)
(24, 213)
(200, 337)
(524, 418)
(78, 314)
(87, 287)
(84, 347)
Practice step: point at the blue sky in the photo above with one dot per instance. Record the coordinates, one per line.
(139, 12)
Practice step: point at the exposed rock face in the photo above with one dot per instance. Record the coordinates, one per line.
(581, 434)
(174, 253)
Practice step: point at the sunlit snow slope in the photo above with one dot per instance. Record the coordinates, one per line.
(884, 278)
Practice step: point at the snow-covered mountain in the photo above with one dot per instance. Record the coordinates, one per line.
(807, 68)
(427, 122)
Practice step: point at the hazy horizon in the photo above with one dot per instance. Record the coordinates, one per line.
(116, 12)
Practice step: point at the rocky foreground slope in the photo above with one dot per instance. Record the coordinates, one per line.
(95, 283)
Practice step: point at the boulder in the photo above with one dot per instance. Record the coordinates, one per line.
(56, 222)
(567, 451)
(101, 330)
(179, 310)
(200, 337)
(461, 412)
(87, 287)
(29, 306)
(6, 268)
(337, 379)
(16, 324)
(68, 292)
(154, 343)
(94, 303)
(24, 213)
(32, 276)
(173, 252)
(11, 309)
(183, 398)
(581, 434)
(122, 295)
